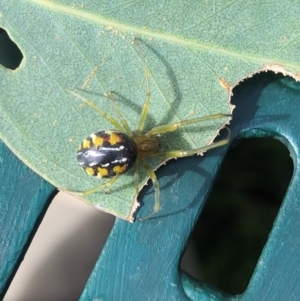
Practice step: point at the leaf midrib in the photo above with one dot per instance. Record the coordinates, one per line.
(90, 17)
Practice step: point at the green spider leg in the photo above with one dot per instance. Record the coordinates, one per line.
(174, 126)
(186, 153)
(120, 115)
(124, 127)
(145, 108)
(176, 154)
(108, 117)
(141, 124)
(173, 154)
(146, 104)
(92, 74)
(159, 130)
(100, 187)
(154, 180)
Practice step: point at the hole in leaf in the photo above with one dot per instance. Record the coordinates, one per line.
(230, 235)
(10, 54)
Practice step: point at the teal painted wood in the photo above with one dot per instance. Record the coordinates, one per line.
(141, 261)
(23, 198)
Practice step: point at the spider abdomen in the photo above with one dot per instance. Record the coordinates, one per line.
(107, 153)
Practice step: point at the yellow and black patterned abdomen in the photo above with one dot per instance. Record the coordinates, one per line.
(107, 153)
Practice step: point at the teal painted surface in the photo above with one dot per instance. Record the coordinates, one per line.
(23, 197)
(141, 261)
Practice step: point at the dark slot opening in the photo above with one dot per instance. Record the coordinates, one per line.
(253, 180)
(10, 54)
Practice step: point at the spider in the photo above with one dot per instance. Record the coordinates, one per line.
(111, 153)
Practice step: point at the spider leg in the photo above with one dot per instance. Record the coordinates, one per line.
(120, 115)
(112, 120)
(102, 113)
(146, 104)
(186, 153)
(100, 187)
(174, 126)
(92, 74)
(136, 176)
(153, 178)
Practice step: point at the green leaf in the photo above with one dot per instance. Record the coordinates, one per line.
(196, 52)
